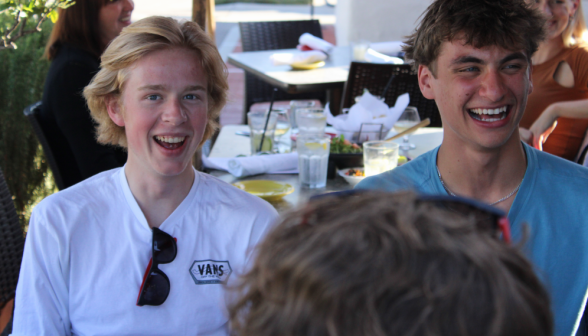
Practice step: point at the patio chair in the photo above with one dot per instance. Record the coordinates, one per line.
(271, 35)
(11, 246)
(374, 77)
(50, 138)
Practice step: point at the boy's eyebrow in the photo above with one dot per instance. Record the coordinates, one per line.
(157, 87)
(471, 59)
(514, 56)
(466, 59)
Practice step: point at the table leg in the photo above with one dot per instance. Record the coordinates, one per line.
(335, 98)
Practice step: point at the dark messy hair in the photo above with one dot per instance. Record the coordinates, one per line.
(510, 24)
(387, 264)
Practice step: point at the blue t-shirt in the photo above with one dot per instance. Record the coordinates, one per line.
(551, 201)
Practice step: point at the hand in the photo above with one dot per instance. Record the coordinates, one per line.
(543, 126)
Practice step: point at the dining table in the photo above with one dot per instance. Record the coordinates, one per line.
(330, 78)
(230, 144)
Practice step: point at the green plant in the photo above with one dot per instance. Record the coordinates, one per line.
(26, 17)
(22, 74)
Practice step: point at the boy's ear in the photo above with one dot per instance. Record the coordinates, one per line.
(425, 78)
(114, 110)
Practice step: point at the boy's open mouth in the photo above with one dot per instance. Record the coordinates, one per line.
(489, 115)
(169, 142)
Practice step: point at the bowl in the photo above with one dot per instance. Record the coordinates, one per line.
(342, 161)
(352, 180)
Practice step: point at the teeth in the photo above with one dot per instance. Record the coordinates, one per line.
(169, 139)
(489, 111)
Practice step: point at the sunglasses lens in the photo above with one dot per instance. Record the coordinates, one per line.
(155, 290)
(164, 247)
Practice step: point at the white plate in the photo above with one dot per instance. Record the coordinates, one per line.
(352, 180)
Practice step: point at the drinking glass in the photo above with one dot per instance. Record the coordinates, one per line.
(295, 105)
(408, 118)
(282, 127)
(256, 120)
(379, 156)
(313, 159)
(311, 121)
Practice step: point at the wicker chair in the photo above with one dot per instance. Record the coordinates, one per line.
(58, 158)
(271, 35)
(11, 245)
(374, 77)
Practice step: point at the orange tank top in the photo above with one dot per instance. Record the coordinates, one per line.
(566, 139)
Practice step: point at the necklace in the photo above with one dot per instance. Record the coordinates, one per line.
(453, 194)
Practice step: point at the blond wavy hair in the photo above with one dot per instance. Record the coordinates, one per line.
(576, 32)
(135, 42)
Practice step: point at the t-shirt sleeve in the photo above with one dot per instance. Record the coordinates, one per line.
(74, 120)
(41, 303)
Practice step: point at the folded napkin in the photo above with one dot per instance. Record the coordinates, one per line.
(315, 43)
(391, 48)
(300, 57)
(373, 56)
(254, 165)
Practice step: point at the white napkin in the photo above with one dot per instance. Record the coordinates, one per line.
(301, 57)
(391, 48)
(370, 110)
(315, 43)
(253, 165)
(373, 56)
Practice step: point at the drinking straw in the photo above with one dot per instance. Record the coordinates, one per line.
(383, 95)
(268, 117)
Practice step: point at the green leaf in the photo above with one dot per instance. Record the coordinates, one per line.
(53, 16)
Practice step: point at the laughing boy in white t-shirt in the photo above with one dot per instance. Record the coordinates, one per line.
(144, 249)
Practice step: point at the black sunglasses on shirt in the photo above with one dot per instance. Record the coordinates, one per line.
(156, 286)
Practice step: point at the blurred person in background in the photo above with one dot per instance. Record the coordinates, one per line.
(80, 35)
(390, 264)
(560, 82)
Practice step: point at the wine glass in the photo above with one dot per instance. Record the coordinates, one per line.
(408, 118)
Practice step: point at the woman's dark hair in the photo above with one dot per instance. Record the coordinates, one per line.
(77, 25)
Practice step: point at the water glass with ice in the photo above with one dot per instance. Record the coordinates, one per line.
(256, 120)
(296, 105)
(313, 159)
(379, 156)
(311, 121)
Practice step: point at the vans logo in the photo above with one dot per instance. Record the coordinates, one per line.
(206, 272)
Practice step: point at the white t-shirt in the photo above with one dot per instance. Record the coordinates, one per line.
(88, 247)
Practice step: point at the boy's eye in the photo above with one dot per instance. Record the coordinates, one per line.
(152, 97)
(469, 69)
(192, 96)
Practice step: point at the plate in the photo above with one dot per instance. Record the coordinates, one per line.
(268, 190)
(352, 180)
(301, 66)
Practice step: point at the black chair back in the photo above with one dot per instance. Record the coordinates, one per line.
(271, 35)
(11, 244)
(374, 77)
(57, 158)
